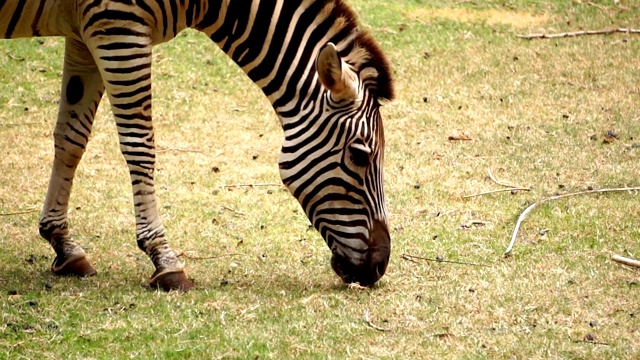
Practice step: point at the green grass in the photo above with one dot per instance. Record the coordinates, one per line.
(537, 112)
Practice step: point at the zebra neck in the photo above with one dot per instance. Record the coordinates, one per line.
(276, 42)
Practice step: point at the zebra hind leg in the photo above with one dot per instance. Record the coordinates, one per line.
(82, 90)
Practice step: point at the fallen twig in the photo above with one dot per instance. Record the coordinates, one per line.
(233, 210)
(495, 191)
(509, 187)
(179, 150)
(471, 223)
(411, 257)
(580, 33)
(504, 183)
(556, 197)
(590, 342)
(20, 124)
(590, 3)
(251, 185)
(372, 325)
(460, 137)
(441, 335)
(626, 261)
(18, 212)
(187, 256)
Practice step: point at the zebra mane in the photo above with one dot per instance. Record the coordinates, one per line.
(363, 52)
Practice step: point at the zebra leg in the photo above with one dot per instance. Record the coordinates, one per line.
(126, 69)
(82, 90)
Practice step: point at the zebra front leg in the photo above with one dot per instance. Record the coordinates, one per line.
(82, 90)
(127, 78)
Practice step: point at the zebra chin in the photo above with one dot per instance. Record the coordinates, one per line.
(365, 269)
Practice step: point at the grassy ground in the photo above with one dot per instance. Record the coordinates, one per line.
(540, 114)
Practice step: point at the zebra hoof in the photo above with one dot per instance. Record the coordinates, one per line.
(76, 267)
(171, 281)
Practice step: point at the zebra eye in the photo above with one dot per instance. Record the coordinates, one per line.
(359, 154)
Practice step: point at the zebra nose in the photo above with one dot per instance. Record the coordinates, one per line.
(369, 270)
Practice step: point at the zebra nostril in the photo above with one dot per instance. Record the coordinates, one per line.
(381, 268)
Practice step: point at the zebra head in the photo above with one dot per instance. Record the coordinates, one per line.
(332, 158)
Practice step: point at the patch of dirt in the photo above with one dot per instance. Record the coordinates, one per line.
(490, 16)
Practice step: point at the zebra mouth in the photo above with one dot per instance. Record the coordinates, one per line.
(365, 273)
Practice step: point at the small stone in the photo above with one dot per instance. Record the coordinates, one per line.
(440, 258)
(215, 169)
(592, 323)
(416, 186)
(269, 192)
(215, 192)
(255, 156)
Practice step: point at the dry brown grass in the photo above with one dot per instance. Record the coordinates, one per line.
(537, 112)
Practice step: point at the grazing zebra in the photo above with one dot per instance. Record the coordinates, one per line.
(325, 78)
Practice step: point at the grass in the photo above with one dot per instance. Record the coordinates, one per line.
(538, 113)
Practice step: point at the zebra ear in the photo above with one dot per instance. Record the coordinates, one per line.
(334, 74)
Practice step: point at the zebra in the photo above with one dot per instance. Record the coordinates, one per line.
(325, 78)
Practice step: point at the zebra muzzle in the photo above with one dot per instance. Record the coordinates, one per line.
(369, 270)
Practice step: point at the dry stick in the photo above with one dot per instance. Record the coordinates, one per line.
(495, 191)
(597, 6)
(372, 325)
(184, 253)
(509, 187)
(411, 257)
(626, 261)
(557, 197)
(233, 210)
(250, 185)
(179, 150)
(20, 124)
(590, 342)
(18, 212)
(504, 183)
(579, 33)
